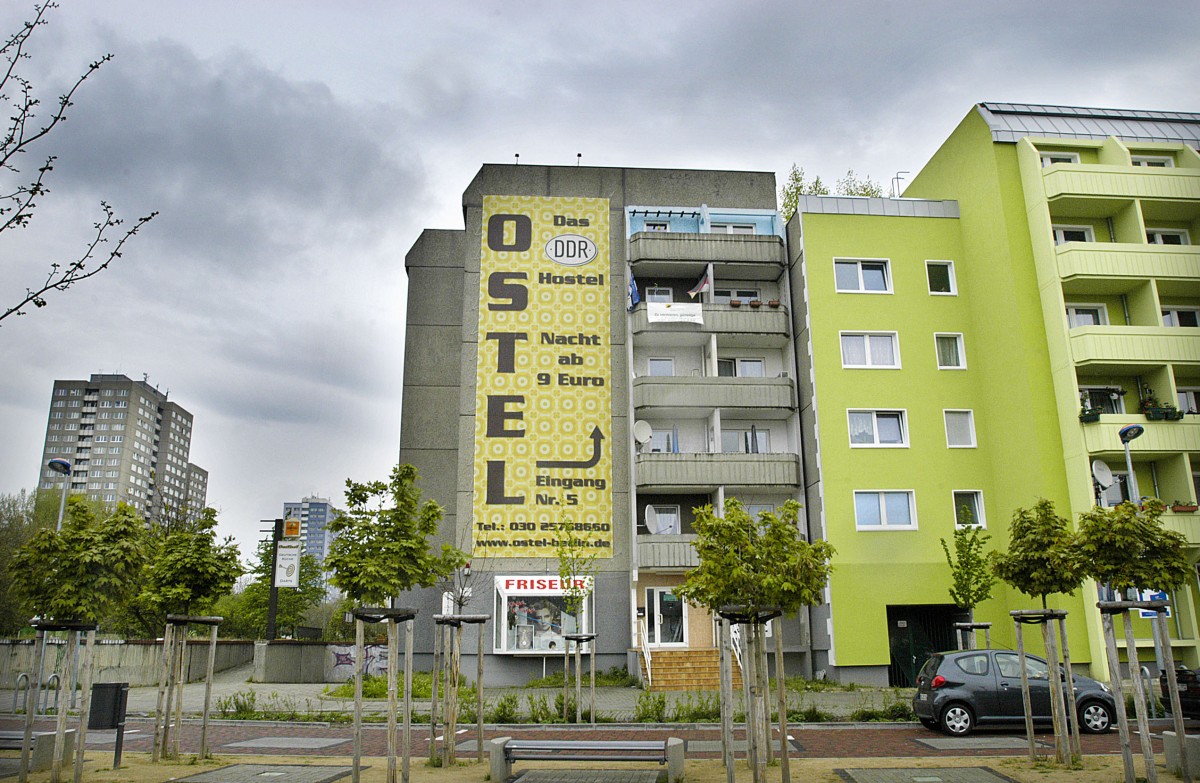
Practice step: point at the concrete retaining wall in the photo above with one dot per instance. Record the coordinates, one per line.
(138, 662)
(294, 660)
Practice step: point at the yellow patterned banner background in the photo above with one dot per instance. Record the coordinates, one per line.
(543, 446)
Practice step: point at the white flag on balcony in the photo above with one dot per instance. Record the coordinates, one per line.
(674, 312)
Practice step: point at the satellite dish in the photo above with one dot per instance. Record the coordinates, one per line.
(1102, 474)
(651, 514)
(642, 432)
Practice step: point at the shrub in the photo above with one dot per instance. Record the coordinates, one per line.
(506, 710)
(650, 708)
(697, 708)
(540, 712)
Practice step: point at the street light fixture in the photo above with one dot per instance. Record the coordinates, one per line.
(1127, 433)
(63, 467)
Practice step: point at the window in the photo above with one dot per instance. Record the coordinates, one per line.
(884, 509)
(731, 228)
(663, 441)
(663, 520)
(1009, 665)
(950, 353)
(1189, 399)
(1086, 315)
(1108, 399)
(1153, 161)
(968, 508)
(60, 392)
(724, 295)
(1050, 158)
(940, 275)
(661, 368)
(749, 441)
(862, 277)
(740, 368)
(973, 664)
(754, 509)
(960, 429)
(879, 350)
(1073, 234)
(1167, 236)
(656, 225)
(535, 621)
(1181, 316)
(877, 428)
(658, 294)
(1119, 491)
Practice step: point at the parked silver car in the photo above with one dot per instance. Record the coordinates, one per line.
(957, 691)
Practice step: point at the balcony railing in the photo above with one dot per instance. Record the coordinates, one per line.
(667, 551)
(1112, 259)
(706, 248)
(1184, 523)
(709, 392)
(712, 470)
(1160, 437)
(765, 322)
(1122, 181)
(1135, 345)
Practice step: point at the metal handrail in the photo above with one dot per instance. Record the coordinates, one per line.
(645, 649)
(53, 678)
(23, 677)
(735, 638)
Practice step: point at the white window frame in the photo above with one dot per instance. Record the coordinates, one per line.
(1153, 161)
(1060, 229)
(962, 351)
(1118, 404)
(1153, 234)
(652, 615)
(1074, 307)
(738, 363)
(902, 413)
(657, 433)
(726, 295)
(1071, 157)
(946, 423)
(912, 509)
(762, 439)
(650, 364)
(1188, 398)
(887, 274)
(867, 350)
(654, 293)
(979, 513)
(953, 279)
(731, 228)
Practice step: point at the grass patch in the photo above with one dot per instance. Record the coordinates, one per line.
(375, 687)
(616, 677)
(802, 685)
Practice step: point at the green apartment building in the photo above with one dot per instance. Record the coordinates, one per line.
(978, 343)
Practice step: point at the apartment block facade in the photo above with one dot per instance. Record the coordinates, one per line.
(126, 442)
(621, 346)
(314, 514)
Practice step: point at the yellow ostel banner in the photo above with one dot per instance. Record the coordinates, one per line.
(543, 448)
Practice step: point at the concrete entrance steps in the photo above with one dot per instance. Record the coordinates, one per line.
(688, 670)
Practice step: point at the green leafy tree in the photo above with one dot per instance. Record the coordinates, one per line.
(382, 546)
(798, 184)
(755, 563)
(576, 564)
(17, 526)
(1042, 556)
(854, 185)
(190, 569)
(86, 571)
(1127, 547)
(970, 568)
(291, 602)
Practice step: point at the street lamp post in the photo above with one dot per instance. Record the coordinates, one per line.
(63, 467)
(1131, 432)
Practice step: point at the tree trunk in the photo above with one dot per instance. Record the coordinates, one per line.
(781, 686)
(1114, 677)
(1139, 699)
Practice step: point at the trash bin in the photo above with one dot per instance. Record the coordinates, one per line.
(108, 705)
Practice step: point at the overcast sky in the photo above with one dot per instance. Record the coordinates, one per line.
(295, 150)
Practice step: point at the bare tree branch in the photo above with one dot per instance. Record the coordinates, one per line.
(18, 202)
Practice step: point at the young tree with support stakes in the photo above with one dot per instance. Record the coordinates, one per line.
(970, 566)
(382, 550)
(761, 566)
(577, 566)
(1042, 558)
(1126, 548)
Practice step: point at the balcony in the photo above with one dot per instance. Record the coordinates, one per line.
(666, 551)
(764, 326)
(741, 256)
(1187, 525)
(1161, 438)
(703, 472)
(1122, 347)
(1126, 260)
(762, 395)
(1069, 181)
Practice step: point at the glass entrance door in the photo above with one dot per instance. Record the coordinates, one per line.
(666, 618)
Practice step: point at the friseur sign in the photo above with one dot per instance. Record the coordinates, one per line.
(543, 381)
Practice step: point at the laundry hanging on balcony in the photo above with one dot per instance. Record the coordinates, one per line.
(674, 312)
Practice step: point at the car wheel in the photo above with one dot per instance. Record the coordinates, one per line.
(929, 723)
(958, 720)
(1095, 717)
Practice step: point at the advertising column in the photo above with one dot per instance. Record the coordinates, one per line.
(543, 449)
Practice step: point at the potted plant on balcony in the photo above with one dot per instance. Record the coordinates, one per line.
(773, 303)
(756, 303)
(1183, 507)
(735, 302)
(1088, 415)
(1155, 410)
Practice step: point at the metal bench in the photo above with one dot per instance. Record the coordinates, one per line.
(42, 751)
(503, 751)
